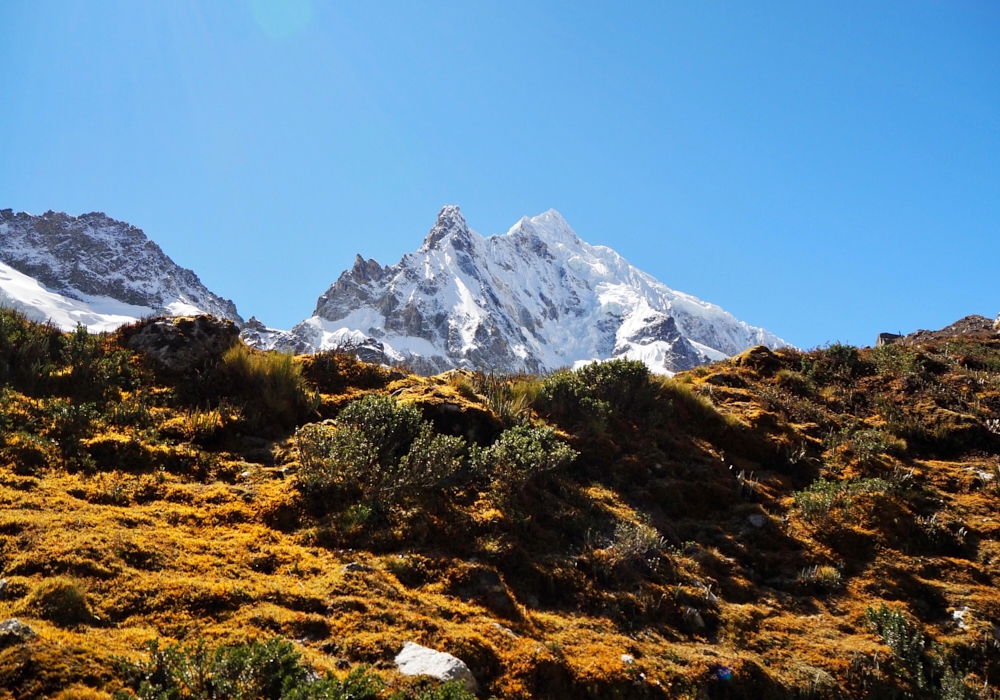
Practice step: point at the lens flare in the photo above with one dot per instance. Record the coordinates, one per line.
(281, 18)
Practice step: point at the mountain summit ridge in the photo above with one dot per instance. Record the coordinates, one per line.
(533, 299)
(95, 270)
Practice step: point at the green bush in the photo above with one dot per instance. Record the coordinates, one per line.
(624, 385)
(269, 384)
(390, 427)
(377, 450)
(565, 399)
(836, 363)
(28, 352)
(520, 454)
(95, 372)
(271, 670)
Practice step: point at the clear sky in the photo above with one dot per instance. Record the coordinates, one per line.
(827, 170)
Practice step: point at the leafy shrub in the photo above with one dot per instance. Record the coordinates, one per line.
(388, 426)
(905, 640)
(270, 385)
(836, 363)
(28, 352)
(564, 398)
(271, 670)
(624, 385)
(452, 690)
(95, 372)
(376, 449)
(894, 360)
(520, 454)
(61, 600)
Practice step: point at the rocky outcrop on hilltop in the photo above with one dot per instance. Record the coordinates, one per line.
(94, 255)
(534, 299)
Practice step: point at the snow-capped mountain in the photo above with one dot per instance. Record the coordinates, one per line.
(534, 299)
(94, 270)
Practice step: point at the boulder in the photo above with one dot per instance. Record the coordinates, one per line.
(758, 358)
(13, 631)
(183, 342)
(417, 660)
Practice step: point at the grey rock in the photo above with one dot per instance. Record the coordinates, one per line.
(4, 583)
(417, 660)
(355, 566)
(183, 342)
(756, 519)
(13, 631)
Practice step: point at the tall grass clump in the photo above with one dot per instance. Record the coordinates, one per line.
(270, 385)
(510, 398)
(377, 450)
(904, 639)
(61, 600)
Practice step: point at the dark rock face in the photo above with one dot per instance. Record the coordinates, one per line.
(183, 342)
(661, 327)
(94, 254)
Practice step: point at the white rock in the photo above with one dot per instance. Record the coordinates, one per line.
(959, 617)
(417, 660)
(628, 659)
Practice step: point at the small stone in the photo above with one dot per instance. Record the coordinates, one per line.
(959, 617)
(694, 618)
(628, 659)
(506, 630)
(417, 660)
(756, 519)
(3, 587)
(13, 631)
(355, 566)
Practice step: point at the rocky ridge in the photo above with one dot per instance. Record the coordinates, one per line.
(534, 299)
(109, 267)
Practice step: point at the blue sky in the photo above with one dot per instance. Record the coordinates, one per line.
(827, 170)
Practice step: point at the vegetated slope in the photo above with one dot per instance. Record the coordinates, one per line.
(781, 524)
(534, 299)
(94, 270)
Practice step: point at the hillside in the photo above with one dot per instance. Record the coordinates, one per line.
(534, 299)
(776, 525)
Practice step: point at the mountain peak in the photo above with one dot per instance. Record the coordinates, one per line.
(94, 270)
(534, 299)
(449, 222)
